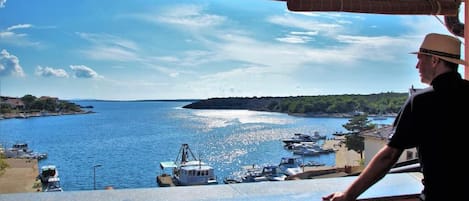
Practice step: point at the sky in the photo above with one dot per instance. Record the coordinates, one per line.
(198, 49)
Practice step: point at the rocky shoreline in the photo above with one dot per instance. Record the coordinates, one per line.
(39, 114)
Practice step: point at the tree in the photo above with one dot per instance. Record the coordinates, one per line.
(359, 123)
(356, 125)
(28, 101)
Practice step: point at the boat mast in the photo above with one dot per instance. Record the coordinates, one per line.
(184, 153)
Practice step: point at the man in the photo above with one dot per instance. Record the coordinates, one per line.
(432, 120)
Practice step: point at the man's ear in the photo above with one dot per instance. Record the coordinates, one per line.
(435, 60)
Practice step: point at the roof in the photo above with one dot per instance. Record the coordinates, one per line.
(167, 164)
(382, 132)
(407, 7)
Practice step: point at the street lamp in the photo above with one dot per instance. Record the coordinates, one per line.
(94, 175)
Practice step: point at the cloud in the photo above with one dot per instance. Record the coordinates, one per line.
(51, 72)
(378, 48)
(109, 47)
(82, 71)
(2, 3)
(10, 65)
(185, 16)
(19, 26)
(312, 25)
(9, 36)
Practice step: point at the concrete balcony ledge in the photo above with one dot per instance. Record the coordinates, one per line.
(392, 185)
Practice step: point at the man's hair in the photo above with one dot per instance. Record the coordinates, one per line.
(451, 65)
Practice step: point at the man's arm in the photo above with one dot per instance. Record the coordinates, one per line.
(378, 167)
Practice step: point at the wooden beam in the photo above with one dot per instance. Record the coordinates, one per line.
(466, 40)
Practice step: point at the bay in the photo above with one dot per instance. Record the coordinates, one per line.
(130, 138)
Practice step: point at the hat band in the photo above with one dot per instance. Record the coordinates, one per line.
(438, 53)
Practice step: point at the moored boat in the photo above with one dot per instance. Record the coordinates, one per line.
(49, 177)
(290, 165)
(301, 137)
(258, 174)
(186, 172)
(22, 150)
(53, 185)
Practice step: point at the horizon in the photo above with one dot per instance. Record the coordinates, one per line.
(190, 49)
(196, 99)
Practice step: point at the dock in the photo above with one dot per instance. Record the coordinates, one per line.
(20, 176)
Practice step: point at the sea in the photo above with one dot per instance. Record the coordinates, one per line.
(122, 143)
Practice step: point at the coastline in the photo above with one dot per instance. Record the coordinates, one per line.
(39, 114)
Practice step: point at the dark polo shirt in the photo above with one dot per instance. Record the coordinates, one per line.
(436, 120)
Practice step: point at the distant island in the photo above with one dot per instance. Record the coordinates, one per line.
(385, 104)
(31, 106)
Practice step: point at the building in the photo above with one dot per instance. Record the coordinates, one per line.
(375, 139)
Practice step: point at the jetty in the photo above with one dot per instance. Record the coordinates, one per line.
(20, 176)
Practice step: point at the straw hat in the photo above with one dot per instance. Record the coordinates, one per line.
(442, 46)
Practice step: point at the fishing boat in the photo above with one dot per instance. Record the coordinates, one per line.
(187, 171)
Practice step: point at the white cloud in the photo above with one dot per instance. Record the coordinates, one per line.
(2, 3)
(294, 39)
(308, 24)
(109, 47)
(82, 71)
(378, 48)
(19, 26)
(9, 36)
(185, 16)
(10, 65)
(50, 72)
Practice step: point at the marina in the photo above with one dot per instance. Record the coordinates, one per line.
(130, 147)
(22, 150)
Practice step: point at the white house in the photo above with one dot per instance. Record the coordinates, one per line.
(375, 139)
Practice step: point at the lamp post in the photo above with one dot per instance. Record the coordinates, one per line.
(94, 175)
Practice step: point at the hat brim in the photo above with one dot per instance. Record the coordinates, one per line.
(453, 60)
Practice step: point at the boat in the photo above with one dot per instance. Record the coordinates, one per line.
(186, 172)
(53, 185)
(22, 150)
(48, 171)
(290, 165)
(298, 138)
(309, 149)
(49, 178)
(258, 174)
(312, 164)
(301, 137)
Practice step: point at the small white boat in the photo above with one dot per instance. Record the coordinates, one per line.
(307, 151)
(258, 174)
(49, 178)
(300, 138)
(290, 165)
(187, 172)
(47, 172)
(53, 185)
